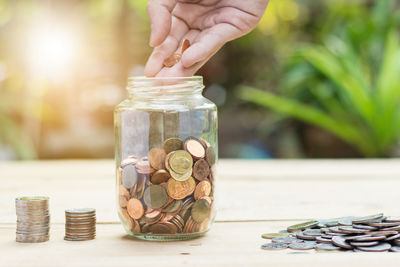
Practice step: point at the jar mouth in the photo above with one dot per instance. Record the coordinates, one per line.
(157, 86)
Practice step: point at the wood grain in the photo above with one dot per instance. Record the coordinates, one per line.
(254, 197)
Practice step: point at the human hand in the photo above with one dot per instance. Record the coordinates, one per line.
(207, 24)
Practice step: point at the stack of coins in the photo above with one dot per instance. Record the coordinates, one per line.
(80, 224)
(170, 190)
(373, 233)
(33, 219)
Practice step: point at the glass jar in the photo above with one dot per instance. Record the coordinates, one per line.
(166, 152)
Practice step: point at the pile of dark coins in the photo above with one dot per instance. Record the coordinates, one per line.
(170, 190)
(80, 224)
(374, 233)
(33, 219)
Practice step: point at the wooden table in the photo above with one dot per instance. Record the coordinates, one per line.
(254, 197)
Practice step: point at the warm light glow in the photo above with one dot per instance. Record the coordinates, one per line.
(51, 51)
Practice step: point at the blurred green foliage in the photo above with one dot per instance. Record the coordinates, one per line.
(347, 79)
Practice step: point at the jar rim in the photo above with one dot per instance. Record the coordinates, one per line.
(152, 86)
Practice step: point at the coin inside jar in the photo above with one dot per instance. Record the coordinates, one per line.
(203, 189)
(135, 208)
(201, 170)
(180, 161)
(181, 189)
(160, 176)
(200, 210)
(172, 144)
(157, 158)
(195, 148)
(155, 196)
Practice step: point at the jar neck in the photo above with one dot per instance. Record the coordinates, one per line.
(165, 88)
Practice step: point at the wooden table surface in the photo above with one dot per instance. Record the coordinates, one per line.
(253, 197)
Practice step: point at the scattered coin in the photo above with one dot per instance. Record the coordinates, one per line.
(302, 226)
(286, 240)
(369, 218)
(328, 247)
(364, 244)
(274, 246)
(395, 249)
(273, 235)
(378, 248)
(301, 246)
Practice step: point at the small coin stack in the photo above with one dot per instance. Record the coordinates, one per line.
(175, 58)
(80, 224)
(169, 191)
(373, 233)
(33, 219)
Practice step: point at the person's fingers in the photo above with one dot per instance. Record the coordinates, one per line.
(179, 70)
(159, 12)
(168, 47)
(208, 43)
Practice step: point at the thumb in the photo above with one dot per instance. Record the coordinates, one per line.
(159, 12)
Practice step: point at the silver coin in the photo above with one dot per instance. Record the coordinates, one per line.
(327, 247)
(301, 246)
(370, 238)
(300, 235)
(378, 248)
(392, 219)
(286, 240)
(392, 237)
(274, 246)
(346, 221)
(367, 219)
(364, 244)
(366, 227)
(312, 232)
(323, 240)
(80, 210)
(395, 249)
(351, 230)
(340, 242)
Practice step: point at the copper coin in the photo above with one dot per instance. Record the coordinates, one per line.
(135, 208)
(195, 148)
(204, 142)
(172, 60)
(160, 228)
(157, 158)
(167, 161)
(153, 214)
(160, 176)
(136, 227)
(143, 166)
(181, 189)
(201, 170)
(172, 144)
(203, 189)
(123, 201)
(184, 45)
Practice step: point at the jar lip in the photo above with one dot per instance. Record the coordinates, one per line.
(145, 79)
(156, 86)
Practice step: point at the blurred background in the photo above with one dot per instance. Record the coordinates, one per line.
(315, 79)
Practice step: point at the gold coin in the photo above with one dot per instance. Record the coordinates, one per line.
(180, 190)
(200, 210)
(180, 161)
(181, 176)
